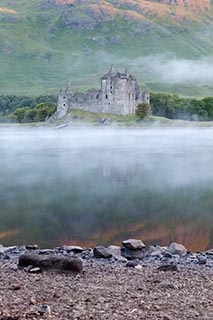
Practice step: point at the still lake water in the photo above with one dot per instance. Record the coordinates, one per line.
(100, 186)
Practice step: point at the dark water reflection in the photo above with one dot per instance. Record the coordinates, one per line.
(92, 186)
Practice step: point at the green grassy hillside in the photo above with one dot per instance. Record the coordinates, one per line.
(45, 43)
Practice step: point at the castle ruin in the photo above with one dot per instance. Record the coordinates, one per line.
(119, 94)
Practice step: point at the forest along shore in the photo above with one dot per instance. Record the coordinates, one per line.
(127, 282)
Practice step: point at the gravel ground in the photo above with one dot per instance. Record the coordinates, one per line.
(108, 289)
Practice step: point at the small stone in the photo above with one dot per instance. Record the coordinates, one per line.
(133, 244)
(35, 270)
(131, 264)
(15, 287)
(134, 310)
(201, 259)
(177, 248)
(168, 267)
(120, 258)
(32, 301)
(101, 252)
(75, 249)
(46, 251)
(31, 247)
(45, 309)
(138, 267)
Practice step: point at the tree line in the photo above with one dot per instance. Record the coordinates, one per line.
(26, 109)
(35, 109)
(176, 107)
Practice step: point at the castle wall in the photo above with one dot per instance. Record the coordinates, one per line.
(89, 101)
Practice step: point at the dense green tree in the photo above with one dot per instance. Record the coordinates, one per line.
(143, 110)
(19, 114)
(41, 114)
(208, 106)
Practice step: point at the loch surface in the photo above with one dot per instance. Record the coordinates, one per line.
(100, 186)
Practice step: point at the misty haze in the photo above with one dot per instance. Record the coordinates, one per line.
(92, 186)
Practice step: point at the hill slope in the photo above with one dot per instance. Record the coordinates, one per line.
(45, 43)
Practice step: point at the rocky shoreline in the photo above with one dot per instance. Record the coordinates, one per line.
(127, 282)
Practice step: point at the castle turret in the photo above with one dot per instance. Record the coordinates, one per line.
(144, 97)
(112, 70)
(126, 71)
(68, 88)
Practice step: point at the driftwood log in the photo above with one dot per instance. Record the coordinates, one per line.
(52, 262)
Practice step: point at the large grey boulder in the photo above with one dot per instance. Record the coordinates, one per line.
(177, 248)
(131, 254)
(133, 244)
(114, 250)
(101, 252)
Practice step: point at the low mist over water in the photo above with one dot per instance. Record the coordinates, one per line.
(100, 186)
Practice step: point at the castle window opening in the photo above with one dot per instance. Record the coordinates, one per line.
(64, 105)
(97, 96)
(64, 97)
(106, 96)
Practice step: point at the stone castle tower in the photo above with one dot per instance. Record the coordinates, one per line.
(119, 94)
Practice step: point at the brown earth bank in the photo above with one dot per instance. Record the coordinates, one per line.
(161, 283)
